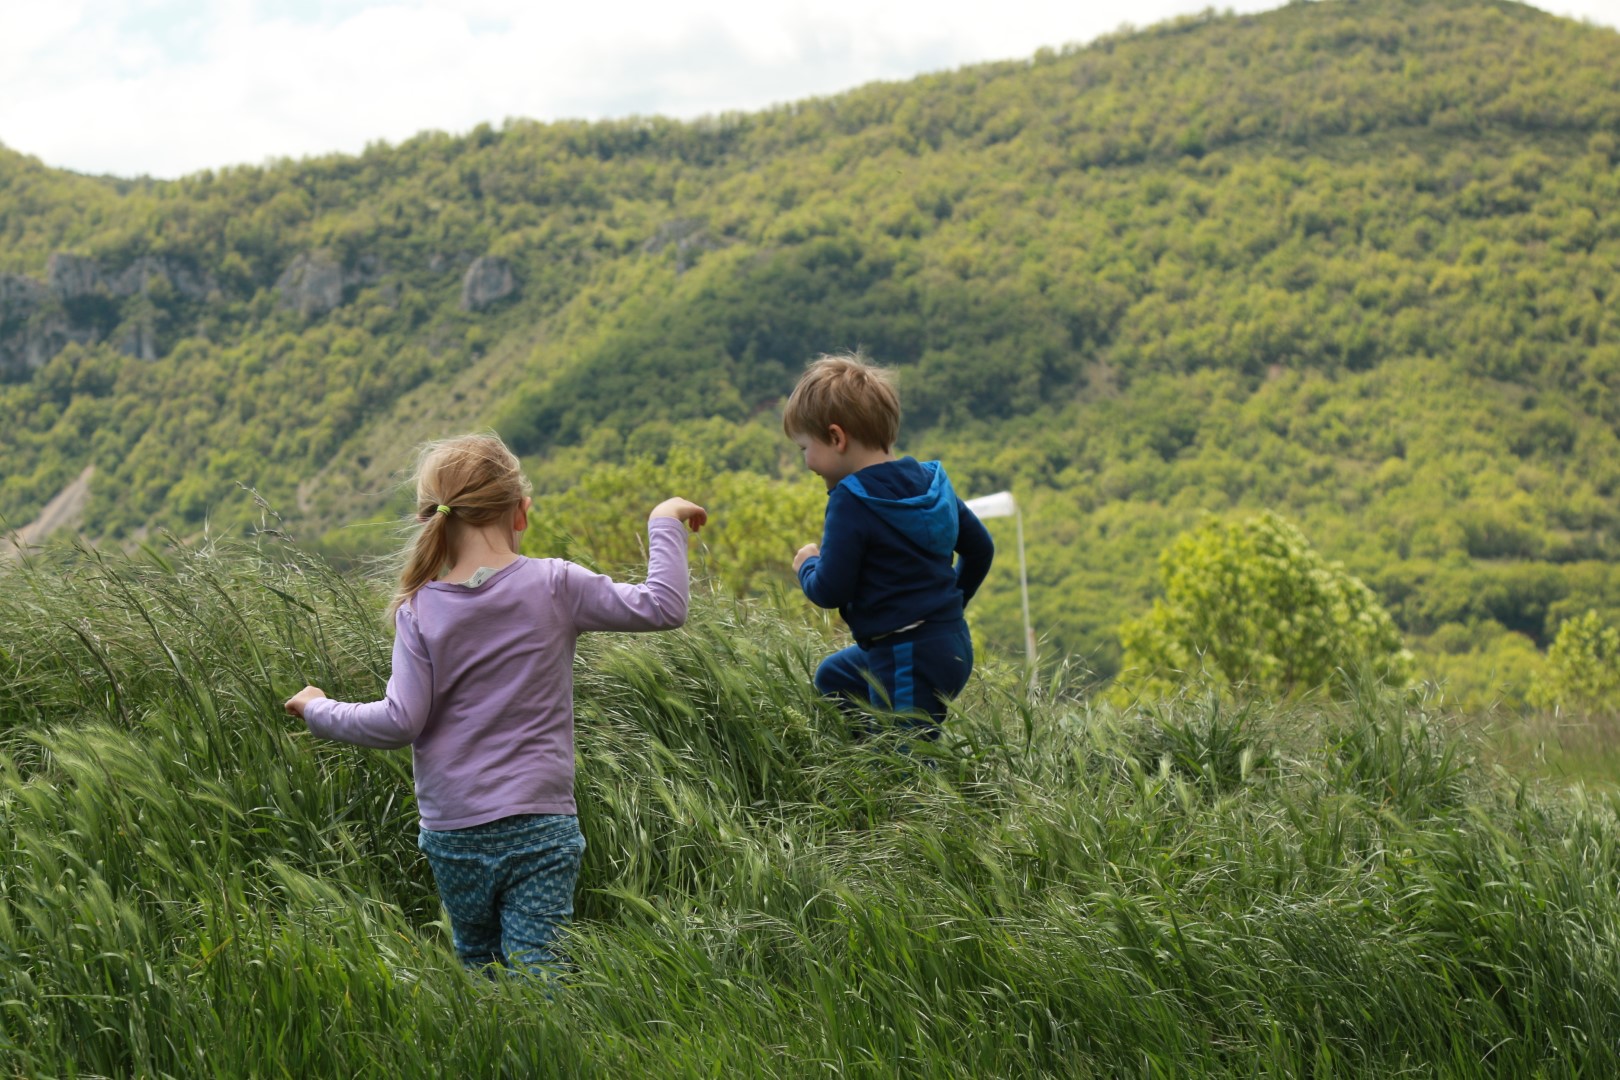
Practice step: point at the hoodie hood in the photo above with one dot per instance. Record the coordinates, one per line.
(914, 497)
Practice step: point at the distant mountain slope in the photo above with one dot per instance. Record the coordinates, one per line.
(1081, 262)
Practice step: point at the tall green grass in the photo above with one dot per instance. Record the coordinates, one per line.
(191, 886)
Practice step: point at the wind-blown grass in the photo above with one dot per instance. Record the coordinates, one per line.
(191, 886)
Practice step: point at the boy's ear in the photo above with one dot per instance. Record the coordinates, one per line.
(836, 438)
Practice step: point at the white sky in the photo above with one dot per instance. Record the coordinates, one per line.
(167, 87)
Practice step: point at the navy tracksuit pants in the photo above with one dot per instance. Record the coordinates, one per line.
(915, 673)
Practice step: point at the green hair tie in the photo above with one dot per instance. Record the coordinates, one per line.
(445, 510)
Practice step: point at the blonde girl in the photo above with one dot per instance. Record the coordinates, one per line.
(482, 692)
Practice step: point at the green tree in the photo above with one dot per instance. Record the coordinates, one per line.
(1583, 667)
(1251, 607)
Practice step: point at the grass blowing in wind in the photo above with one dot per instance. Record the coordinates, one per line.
(194, 886)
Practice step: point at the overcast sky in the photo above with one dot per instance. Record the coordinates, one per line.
(166, 87)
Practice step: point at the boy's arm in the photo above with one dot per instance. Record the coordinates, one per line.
(829, 579)
(973, 543)
(400, 716)
(659, 603)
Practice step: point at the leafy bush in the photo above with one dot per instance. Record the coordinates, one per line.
(1583, 668)
(1251, 608)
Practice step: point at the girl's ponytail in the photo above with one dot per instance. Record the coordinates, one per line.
(425, 559)
(468, 481)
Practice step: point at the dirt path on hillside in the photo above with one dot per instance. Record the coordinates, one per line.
(62, 512)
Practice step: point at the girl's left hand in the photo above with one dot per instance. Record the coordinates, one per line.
(296, 703)
(688, 513)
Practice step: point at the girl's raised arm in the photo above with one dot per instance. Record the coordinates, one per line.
(660, 602)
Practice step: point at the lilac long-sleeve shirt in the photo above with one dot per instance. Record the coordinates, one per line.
(482, 688)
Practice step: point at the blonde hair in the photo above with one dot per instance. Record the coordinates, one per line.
(847, 390)
(476, 480)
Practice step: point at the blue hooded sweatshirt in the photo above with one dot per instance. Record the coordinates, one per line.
(886, 549)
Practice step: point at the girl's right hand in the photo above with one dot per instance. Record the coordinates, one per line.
(688, 512)
(295, 704)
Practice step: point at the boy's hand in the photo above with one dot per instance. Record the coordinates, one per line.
(809, 551)
(296, 703)
(690, 513)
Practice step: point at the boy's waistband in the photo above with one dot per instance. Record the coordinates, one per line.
(917, 631)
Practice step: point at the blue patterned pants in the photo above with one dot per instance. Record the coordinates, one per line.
(508, 886)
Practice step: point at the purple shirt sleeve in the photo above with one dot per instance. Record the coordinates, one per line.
(399, 717)
(659, 603)
(596, 602)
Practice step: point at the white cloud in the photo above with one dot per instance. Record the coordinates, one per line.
(171, 86)
(29, 29)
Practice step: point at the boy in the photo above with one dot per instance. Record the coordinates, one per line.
(884, 560)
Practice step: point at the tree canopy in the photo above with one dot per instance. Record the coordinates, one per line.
(1251, 607)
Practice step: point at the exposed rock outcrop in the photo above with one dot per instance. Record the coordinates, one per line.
(81, 301)
(140, 276)
(312, 284)
(487, 281)
(30, 334)
(139, 340)
(689, 238)
(17, 290)
(72, 276)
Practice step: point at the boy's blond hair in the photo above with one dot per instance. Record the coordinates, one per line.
(845, 389)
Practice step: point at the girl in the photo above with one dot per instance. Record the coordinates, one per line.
(482, 692)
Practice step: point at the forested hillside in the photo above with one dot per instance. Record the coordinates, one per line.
(1355, 262)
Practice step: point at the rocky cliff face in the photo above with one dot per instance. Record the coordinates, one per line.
(79, 300)
(151, 273)
(688, 236)
(311, 285)
(488, 280)
(72, 277)
(30, 332)
(84, 299)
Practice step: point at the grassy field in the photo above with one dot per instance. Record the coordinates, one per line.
(194, 887)
(1567, 750)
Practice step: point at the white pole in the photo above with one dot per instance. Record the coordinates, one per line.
(1002, 504)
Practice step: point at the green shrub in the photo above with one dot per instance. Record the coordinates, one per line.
(1250, 607)
(1582, 673)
